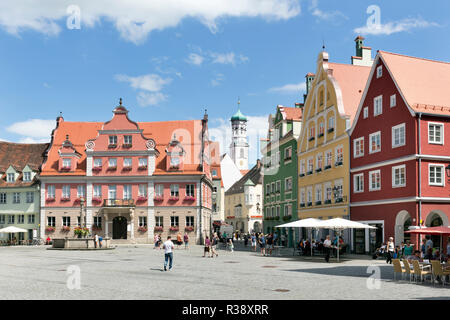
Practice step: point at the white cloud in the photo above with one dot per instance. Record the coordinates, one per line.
(145, 99)
(223, 58)
(257, 126)
(147, 82)
(36, 129)
(217, 80)
(195, 59)
(135, 19)
(389, 28)
(289, 88)
(32, 140)
(322, 15)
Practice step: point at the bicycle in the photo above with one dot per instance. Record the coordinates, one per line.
(38, 242)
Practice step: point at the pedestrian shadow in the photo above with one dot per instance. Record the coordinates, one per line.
(386, 272)
(157, 269)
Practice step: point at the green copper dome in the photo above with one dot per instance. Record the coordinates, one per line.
(239, 116)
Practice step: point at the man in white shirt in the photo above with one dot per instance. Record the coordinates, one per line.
(168, 253)
(327, 247)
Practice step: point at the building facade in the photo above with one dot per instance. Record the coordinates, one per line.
(280, 171)
(333, 94)
(19, 188)
(127, 180)
(243, 202)
(399, 150)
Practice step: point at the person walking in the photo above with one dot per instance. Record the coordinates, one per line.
(390, 250)
(269, 244)
(246, 240)
(214, 242)
(186, 240)
(96, 241)
(156, 240)
(253, 238)
(179, 242)
(168, 247)
(230, 243)
(327, 248)
(100, 241)
(262, 244)
(207, 247)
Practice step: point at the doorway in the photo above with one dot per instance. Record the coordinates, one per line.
(119, 228)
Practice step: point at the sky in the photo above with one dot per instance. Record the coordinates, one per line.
(172, 59)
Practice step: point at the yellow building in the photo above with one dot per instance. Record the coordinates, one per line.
(333, 95)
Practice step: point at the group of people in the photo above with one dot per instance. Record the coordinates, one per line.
(211, 246)
(324, 246)
(406, 250)
(180, 240)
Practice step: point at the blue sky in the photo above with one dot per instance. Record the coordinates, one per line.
(171, 59)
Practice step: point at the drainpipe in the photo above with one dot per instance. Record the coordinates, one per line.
(419, 149)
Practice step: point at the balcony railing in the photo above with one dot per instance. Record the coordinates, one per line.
(118, 203)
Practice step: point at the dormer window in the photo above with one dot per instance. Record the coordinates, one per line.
(66, 163)
(127, 141)
(10, 177)
(27, 176)
(174, 162)
(112, 141)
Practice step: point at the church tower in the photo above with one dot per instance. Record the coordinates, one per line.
(239, 145)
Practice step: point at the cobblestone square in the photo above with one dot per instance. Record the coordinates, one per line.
(136, 272)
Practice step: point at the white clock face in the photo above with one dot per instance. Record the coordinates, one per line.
(241, 162)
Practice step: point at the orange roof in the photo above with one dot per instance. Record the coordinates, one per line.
(244, 172)
(352, 81)
(161, 132)
(292, 113)
(423, 83)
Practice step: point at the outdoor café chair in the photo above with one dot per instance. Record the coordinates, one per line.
(419, 273)
(407, 268)
(397, 268)
(438, 271)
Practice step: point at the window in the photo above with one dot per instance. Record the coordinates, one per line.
(241, 154)
(339, 155)
(11, 177)
(2, 218)
(377, 106)
(27, 176)
(302, 196)
(288, 184)
(273, 187)
(358, 147)
(328, 159)
(321, 129)
(51, 221)
(127, 191)
(318, 194)
(393, 100)
(112, 162)
(374, 180)
(310, 165)
(81, 191)
(286, 210)
(142, 162)
(174, 221)
(398, 135)
(98, 162)
(51, 192)
(66, 163)
(98, 222)
(267, 189)
(340, 190)
(142, 190)
(366, 112)
(127, 162)
(436, 175)
(358, 183)
(312, 133)
(174, 190)
(328, 192)
(309, 196)
(398, 176)
(30, 196)
(112, 140)
(98, 191)
(31, 219)
(288, 153)
(189, 221)
(379, 72)
(142, 221)
(319, 162)
(112, 192)
(375, 142)
(435, 133)
(174, 161)
(214, 173)
(3, 197)
(127, 140)
(66, 221)
(330, 124)
(66, 191)
(278, 211)
(16, 197)
(302, 168)
(278, 186)
(11, 219)
(21, 219)
(159, 190)
(159, 221)
(190, 190)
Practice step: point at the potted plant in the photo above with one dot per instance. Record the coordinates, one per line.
(142, 229)
(173, 198)
(50, 199)
(174, 228)
(65, 199)
(96, 169)
(141, 198)
(142, 167)
(112, 168)
(65, 229)
(189, 198)
(96, 228)
(189, 228)
(65, 169)
(96, 199)
(49, 229)
(127, 168)
(158, 198)
(159, 228)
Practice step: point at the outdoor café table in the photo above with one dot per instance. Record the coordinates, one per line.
(277, 249)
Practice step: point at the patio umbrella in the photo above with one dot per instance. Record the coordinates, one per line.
(304, 223)
(442, 231)
(12, 229)
(341, 224)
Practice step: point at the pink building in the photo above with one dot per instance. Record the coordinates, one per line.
(127, 180)
(400, 146)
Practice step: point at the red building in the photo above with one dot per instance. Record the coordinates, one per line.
(127, 180)
(399, 150)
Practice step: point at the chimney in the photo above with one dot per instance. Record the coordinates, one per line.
(363, 56)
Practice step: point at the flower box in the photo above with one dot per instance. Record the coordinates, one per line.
(311, 139)
(142, 167)
(318, 169)
(127, 145)
(338, 200)
(320, 135)
(97, 169)
(49, 229)
(287, 218)
(309, 172)
(330, 130)
(65, 229)
(189, 198)
(189, 228)
(65, 199)
(302, 205)
(174, 167)
(52, 199)
(96, 228)
(174, 228)
(174, 198)
(78, 231)
(158, 198)
(327, 202)
(142, 229)
(112, 146)
(127, 168)
(230, 217)
(301, 174)
(97, 199)
(338, 163)
(309, 204)
(141, 198)
(327, 167)
(318, 203)
(112, 168)
(159, 228)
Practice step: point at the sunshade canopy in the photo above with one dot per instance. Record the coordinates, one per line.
(431, 230)
(12, 229)
(304, 223)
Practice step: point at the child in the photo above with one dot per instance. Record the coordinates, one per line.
(230, 242)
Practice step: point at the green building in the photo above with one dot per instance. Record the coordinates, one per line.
(280, 172)
(19, 188)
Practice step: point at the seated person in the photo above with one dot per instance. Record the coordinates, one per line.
(416, 256)
(429, 254)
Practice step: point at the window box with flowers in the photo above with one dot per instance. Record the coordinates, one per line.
(230, 217)
(127, 168)
(49, 229)
(96, 169)
(96, 228)
(112, 168)
(174, 167)
(330, 130)
(65, 229)
(112, 145)
(268, 218)
(174, 198)
(77, 201)
(311, 138)
(141, 198)
(320, 135)
(127, 145)
(65, 199)
(158, 198)
(159, 228)
(174, 228)
(142, 229)
(309, 204)
(327, 167)
(96, 199)
(287, 218)
(50, 199)
(80, 232)
(142, 167)
(189, 228)
(189, 198)
(302, 205)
